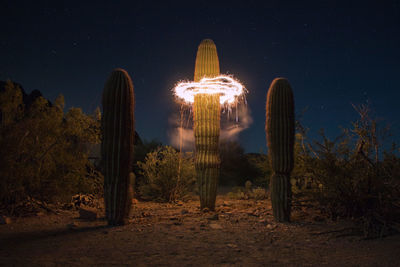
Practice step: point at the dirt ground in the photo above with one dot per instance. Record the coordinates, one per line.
(238, 233)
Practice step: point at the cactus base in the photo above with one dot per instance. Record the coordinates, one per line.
(207, 180)
(281, 196)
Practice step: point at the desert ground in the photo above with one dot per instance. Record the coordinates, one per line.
(238, 233)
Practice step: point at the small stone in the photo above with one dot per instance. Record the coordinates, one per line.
(87, 214)
(263, 221)
(184, 212)
(68, 206)
(205, 210)
(5, 220)
(213, 217)
(270, 226)
(215, 226)
(231, 246)
(72, 226)
(318, 218)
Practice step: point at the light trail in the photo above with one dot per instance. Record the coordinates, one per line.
(228, 88)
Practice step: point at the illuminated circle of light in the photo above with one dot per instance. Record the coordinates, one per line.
(227, 87)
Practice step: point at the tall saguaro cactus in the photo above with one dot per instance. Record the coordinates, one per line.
(206, 117)
(117, 145)
(279, 128)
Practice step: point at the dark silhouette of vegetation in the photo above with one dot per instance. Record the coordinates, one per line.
(352, 176)
(238, 167)
(44, 152)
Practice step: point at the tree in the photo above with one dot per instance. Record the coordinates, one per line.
(43, 150)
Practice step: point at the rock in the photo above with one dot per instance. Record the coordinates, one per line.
(225, 204)
(86, 213)
(234, 247)
(79, 199)
(5, 220)
(72, 226)
(213, 217)
(318, 218)
(270, 226)
(68, 206)
(215, 226)
(184, 212)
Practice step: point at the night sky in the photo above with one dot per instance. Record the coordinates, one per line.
(333, 53)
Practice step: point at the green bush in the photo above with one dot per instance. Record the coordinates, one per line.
(168, 175)
(44, 151)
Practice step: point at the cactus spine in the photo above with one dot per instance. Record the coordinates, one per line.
(206, 117)
(279, 128)
(117, 145)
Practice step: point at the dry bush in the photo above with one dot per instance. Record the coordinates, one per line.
(43, 151)
(167, 175)
(353, 178)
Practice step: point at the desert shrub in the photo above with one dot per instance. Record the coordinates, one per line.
(233, 164)
(238, 167)
(259, 193)
(142, 148)
(352, 179)
(43, 151)
(168, 175)
(258, 169)
(248, 192)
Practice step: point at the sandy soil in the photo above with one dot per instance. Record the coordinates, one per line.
(239, 233)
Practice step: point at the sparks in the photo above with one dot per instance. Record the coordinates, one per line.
(228, 88)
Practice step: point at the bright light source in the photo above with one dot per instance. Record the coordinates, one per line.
(228, 88)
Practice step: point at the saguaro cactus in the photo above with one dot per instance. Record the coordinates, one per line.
(206, 117)
(117, 145)
(279, 128)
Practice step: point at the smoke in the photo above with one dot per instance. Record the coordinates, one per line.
(181, 134)
(233, 121)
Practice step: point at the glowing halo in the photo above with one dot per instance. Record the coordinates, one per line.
(227, 87)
